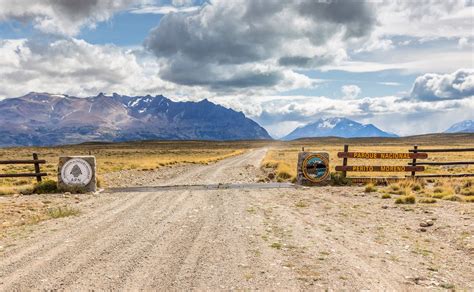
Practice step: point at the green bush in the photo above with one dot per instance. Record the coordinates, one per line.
(406, 200)
(45, 187)
(61, 212)
(338, 180)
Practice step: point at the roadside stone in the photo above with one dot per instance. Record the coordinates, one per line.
(427, 223)
(384, 207)
(422, 229)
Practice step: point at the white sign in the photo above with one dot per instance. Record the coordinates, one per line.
(76, 171)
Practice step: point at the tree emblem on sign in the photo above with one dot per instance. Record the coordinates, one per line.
(76, 171)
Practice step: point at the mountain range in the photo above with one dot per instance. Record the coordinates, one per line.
(466, 126)
(49, 119)
(337, 127)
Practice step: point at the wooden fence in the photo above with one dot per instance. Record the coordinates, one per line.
(35, 161)
(415, 150)
(344, 168)
(415, 155)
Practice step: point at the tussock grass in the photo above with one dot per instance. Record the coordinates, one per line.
(370, 188)
(386, 196)
(45, 187)
(60, 212)
(427, 201)
(282, 170)
(453, 198)
(406, 200)
(469, 199)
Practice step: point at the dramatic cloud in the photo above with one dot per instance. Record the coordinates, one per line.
(350, 91)
(64, 17)
(75, 67)
(426, 18)
(249, 43)
(457, 85)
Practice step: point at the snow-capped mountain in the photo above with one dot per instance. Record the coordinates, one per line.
(49, 119)
(466, 126)
(337, 127)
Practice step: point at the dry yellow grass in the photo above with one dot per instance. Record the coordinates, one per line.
(287, 153)
(119, 156)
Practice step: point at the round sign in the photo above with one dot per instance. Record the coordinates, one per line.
(316, 168)
(76, 171)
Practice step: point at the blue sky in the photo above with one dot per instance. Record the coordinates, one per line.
(282, 63)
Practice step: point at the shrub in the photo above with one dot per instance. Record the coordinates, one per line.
(60, 212)
(469, 199)
(438, 190)
(453, 198)
(337, 179)
(406, 200)
(439, 195)
(467, 191)
(416, 187)
(370, 188)
(283, 171)
(427, 201)
(386, 196)
(394, 187)
(46, 187)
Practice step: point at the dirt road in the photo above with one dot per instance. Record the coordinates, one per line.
(319, 238)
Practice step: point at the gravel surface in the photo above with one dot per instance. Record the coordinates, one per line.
(282, 239)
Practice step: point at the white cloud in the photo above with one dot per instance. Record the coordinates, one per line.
(425, 18)
(243, 44)
(63, 17)
(457, 85)
(350, 91)
(76, 67)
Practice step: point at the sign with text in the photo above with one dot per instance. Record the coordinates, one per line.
(372, 155)
(386, 168)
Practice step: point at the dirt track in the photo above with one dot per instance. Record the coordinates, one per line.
(336, 238)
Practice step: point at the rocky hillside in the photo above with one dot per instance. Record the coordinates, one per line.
(49, 119)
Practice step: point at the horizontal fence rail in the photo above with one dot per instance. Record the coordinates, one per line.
(443, 150)
(22, 161)
(35, 161)
(441, 163)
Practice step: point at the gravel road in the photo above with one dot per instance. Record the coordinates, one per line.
(288, 239)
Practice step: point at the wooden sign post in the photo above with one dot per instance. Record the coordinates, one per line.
(313, 168)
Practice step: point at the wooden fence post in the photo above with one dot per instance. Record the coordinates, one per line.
(37, 168)
(415, 150)
(344, 160)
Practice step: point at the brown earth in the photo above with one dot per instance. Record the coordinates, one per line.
(335, 238)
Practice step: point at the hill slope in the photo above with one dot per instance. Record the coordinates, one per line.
(337, 127)
(47, 119)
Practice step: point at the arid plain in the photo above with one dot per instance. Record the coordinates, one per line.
(238, 230)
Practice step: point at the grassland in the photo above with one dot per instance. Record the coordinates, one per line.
(113, 157)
